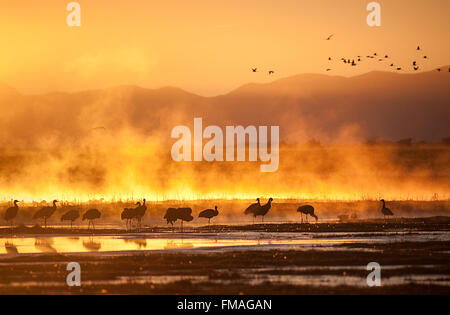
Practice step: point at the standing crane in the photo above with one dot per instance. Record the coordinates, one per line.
(91, 215)
(385, 211)
(209, 214)
(45, 212)
(307, 209)
(11, 212)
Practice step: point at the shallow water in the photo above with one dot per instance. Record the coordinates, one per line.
(200, 241)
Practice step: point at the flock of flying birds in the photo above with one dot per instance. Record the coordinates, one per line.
(354, 61)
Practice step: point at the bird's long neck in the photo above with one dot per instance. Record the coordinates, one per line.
(54, 204)
(384, 204)
(143, 203)
(15, 203)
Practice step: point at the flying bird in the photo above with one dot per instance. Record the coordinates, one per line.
(254, 69)
(271, 72)
(418, 47)
(329, 37)
(328, 69)
(414, 63)
(438, 69)
(416, 68)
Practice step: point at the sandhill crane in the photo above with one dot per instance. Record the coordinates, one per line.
(91, 215)
(271, 72)
(262, 210)
(254, 69)
(307, 209)
(252, 208)
(184, 214)
(385, 211)
(45, 212)
(209, 213)
(127, 214)
(71, 216)
(171, 215)
(11, 212)
(329, 37)
(139, 213)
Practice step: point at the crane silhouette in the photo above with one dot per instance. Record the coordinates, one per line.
(45, 212)
(209, 213)
(171, 215)
(252, 208)
(71, 216)
(127, 214)
(184, 214)
(11, 212)
(385, 211)
(91, 215)
(262, 210)
(307, 209)
(139, 213)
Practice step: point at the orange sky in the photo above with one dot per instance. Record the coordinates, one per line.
(204, 46)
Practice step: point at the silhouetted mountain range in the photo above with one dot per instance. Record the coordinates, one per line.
(328, 108)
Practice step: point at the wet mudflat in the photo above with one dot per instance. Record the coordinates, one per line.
(227, 260)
